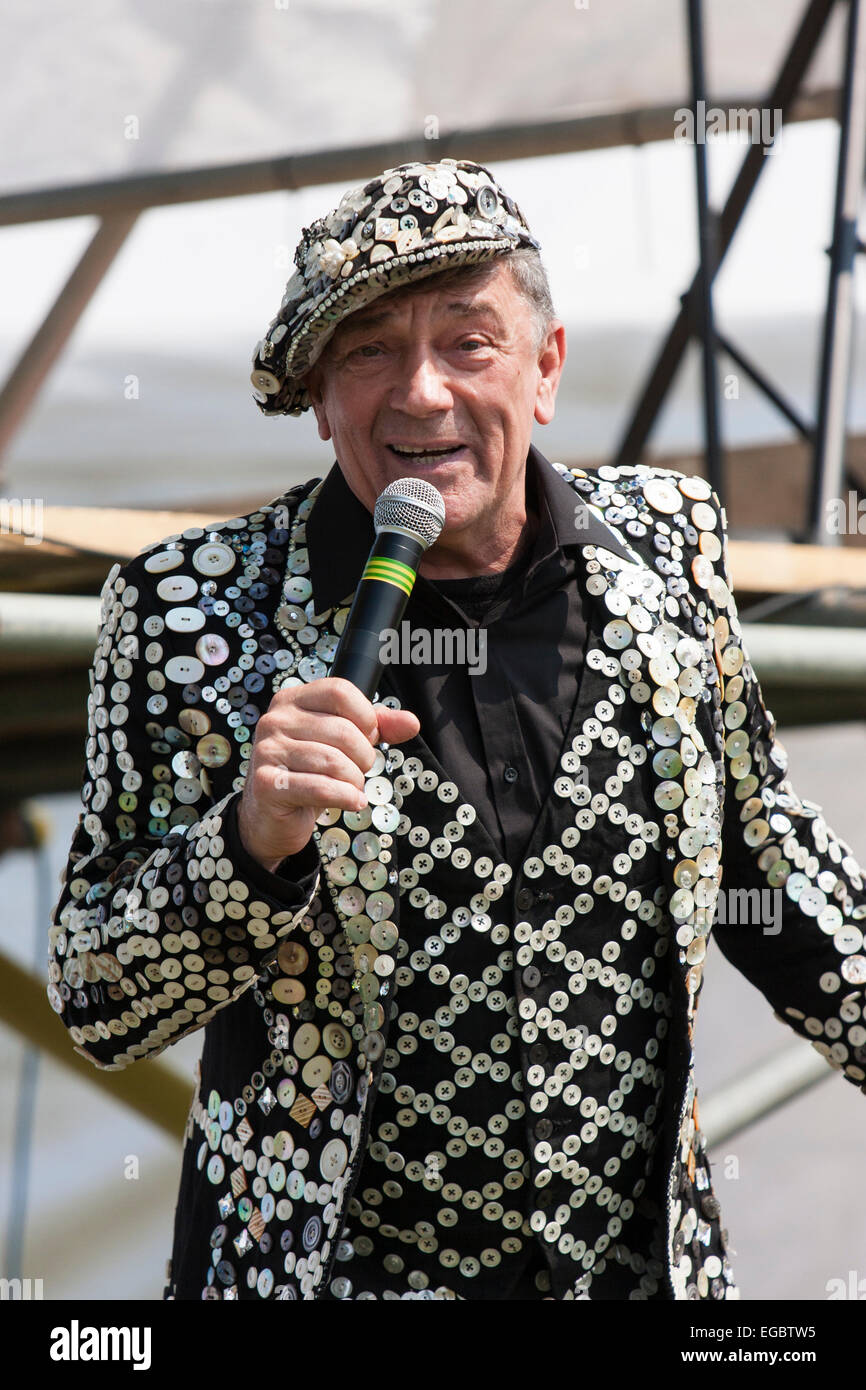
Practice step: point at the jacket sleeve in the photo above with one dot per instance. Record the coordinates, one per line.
(163, 916)
(793, 901)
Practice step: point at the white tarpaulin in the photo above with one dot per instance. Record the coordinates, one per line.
(150, 403)
(108, 87)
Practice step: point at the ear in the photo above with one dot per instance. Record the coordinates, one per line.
(313, 383)
(551, 360)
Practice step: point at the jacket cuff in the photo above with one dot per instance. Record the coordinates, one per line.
(296, 876)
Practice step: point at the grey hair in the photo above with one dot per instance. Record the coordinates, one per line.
(530, 277)
(527, 272)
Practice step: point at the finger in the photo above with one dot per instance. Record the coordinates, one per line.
(316, 791)
(334, 695)
(397, 725)
(323, 759)
(317, 728)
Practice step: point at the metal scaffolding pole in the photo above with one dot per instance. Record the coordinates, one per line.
(781, 98)
(163, 188)
(29, 374)
(707, 244)
(829, 463)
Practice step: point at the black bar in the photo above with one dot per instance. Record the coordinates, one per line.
(707, 251)
(668, 360)
(835, 347)
(764, 384)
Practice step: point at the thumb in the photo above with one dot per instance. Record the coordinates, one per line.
(396, 725)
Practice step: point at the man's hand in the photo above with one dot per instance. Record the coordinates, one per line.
(311, 750)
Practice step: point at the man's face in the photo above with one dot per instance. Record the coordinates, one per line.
(441, 384)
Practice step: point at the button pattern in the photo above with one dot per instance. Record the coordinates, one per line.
(157, 930)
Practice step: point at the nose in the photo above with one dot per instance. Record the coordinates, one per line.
(421, 387)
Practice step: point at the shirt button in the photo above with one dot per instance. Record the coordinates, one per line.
(543, 1129)
(525, 898)
(511, 774)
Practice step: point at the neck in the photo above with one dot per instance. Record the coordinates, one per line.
(468, 554)
(469, 559)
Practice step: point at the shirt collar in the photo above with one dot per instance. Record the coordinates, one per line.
(340, 531)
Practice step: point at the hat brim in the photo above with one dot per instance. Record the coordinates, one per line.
(360, 289)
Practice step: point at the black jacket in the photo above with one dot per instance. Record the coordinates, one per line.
(162, 927)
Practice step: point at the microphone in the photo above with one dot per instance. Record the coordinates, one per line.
(408, 517)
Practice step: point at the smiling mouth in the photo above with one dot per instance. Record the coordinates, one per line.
(424, 454)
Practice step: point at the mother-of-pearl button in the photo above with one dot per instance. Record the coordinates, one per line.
(212, 648)
(333, 1159)
(213, 558)
(185, 670)
(316, 1072)
(703, 516)
(213, 750)
(184, 619)
(265, 381)
(297, 588)
(662, 496)
(176, 588)
(696, 488)
(163, 561)
(194, 721)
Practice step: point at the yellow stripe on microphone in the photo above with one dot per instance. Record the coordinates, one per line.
(390, 572)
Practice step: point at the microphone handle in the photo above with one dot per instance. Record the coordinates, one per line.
(380, 601)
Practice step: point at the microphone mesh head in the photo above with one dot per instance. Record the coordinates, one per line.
(413, 505)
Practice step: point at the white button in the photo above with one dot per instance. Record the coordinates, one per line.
(185, 670)
(213, 558)
(163, 561)
(184, 619)
(378, 791)
(177, 588)
(316, 1072)
(265, 381)
(334, 1158)
(663, 496)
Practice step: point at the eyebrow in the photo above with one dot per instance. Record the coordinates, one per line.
(459, 308)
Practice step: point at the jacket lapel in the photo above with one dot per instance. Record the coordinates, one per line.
(627, 605)
(661, 656)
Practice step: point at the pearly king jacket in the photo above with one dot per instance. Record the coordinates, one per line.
(672, 791)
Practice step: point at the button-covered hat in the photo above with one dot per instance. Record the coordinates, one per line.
(403, 225)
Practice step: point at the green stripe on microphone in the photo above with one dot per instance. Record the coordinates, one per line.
(390, 572)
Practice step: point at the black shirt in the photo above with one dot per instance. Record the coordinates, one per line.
(503, 727)
(500, 724)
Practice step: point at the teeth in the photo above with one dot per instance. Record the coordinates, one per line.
(421, 453)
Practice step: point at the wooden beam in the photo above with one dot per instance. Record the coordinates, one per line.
(150, 1088)
(772, 567)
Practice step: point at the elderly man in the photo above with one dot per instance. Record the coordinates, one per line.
(446, 946)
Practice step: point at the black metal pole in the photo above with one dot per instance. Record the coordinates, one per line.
(829, 460)
(707, 246)
(781, 97)
(764, 384)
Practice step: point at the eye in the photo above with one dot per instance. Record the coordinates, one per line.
(471, 343)
(367, 350)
